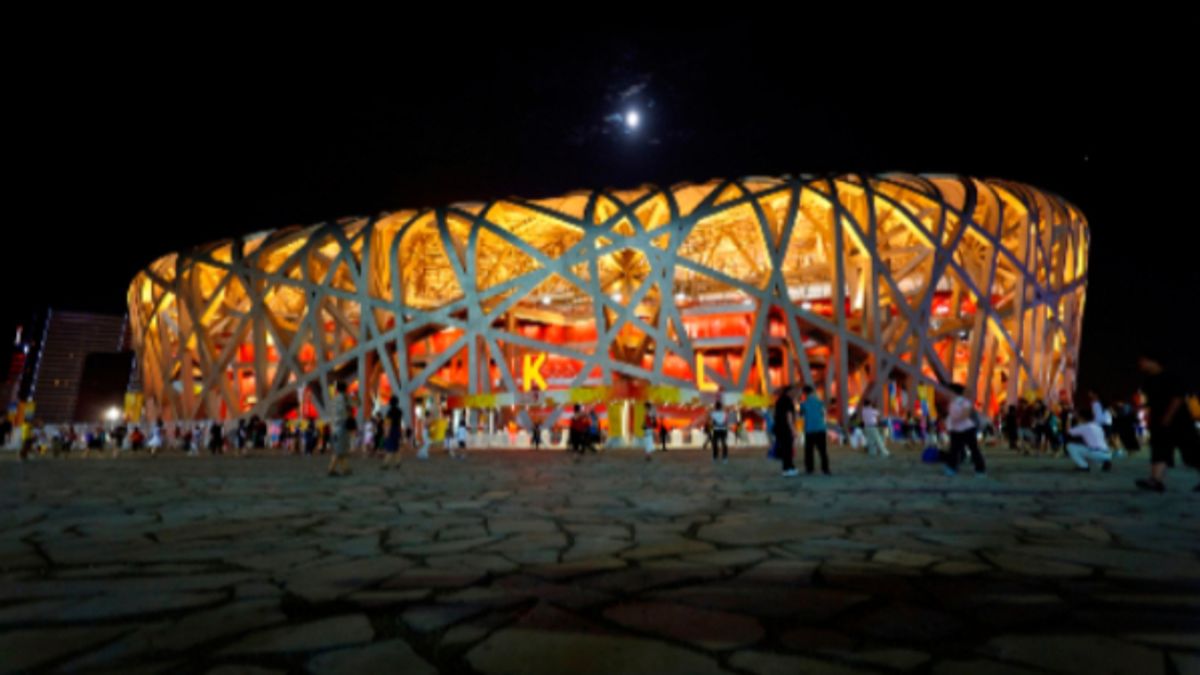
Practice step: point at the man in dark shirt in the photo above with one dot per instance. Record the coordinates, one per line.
(1169, 420)
(785, 431)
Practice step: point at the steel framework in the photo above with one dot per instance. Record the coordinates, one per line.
(846, 282)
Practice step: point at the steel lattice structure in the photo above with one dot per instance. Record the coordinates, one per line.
(844, 282)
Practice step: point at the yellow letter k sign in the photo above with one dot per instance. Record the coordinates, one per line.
(532, 372)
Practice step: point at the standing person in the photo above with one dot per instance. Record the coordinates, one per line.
(368, 437)
(651, 423)
(240, 435)
(719, 419)
(326, 436)
(663, 433)
(310, 436)
(1170, 424)
(341, 431)
(1106, 423)
(785, 431)
(536, 436)
(1126, 427)
(460, 439)
(1085, 442)
(578, 430)
(137, 439)
(769, 423)
(394, 419)
(815, 432)
(963, 433)
(261, 432)
(118, 437)
(421, 433)
(870, 420)
(909, 429)
(1010, 427)
(215, 440)
(594, 437)
(1054, 428)
(156, 438)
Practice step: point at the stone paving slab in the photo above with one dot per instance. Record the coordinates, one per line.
(523, 562)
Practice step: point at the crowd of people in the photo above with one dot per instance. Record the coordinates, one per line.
(1092, 434)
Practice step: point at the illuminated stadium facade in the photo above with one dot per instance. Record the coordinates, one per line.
(886, 286)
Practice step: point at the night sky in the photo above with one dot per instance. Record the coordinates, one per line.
(148, 145)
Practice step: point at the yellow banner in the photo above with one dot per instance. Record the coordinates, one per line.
(588, 395)
(925, 394)
(664, 394)
(480, 401)
(133, 406)
(639, 420)
(756, 400)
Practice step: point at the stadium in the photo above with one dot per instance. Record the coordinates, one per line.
(888, 286)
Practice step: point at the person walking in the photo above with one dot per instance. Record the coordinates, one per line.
(1170, 423)
(536, 436)
(815, 432)
(870, 420)
(963, 433)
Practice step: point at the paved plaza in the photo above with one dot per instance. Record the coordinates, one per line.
(521, 562)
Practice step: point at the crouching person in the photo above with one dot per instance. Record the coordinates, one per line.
(1085, 443)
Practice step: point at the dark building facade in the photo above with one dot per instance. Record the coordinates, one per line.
(52, 368)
